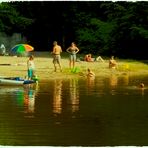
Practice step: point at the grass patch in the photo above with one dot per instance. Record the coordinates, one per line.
(133, 66)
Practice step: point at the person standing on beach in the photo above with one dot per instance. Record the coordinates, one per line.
(31, 67)
(2, 49)
(56, 55)
(72, 50)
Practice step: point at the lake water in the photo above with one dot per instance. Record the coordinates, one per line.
(76, 112)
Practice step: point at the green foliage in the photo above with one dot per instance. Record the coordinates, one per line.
(129, 35)
(139, 31)
(10, 19)
(94, 36)
(118, 28)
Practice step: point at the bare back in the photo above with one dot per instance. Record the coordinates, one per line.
(57, 49)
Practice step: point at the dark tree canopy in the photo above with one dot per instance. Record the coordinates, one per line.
(97, 27)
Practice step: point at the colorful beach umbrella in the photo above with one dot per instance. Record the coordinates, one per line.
(21, 48)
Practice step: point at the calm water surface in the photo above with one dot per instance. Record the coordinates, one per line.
(76, 112)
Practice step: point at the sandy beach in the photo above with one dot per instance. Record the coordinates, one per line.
(13, 66)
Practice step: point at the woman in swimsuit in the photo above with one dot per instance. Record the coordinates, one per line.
(72, 50)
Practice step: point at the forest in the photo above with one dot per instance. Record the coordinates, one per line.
(98, 27)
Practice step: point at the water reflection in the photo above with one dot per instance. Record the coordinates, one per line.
(113, 81)
(74, 95)
(125, 79)
(57, 97)
(142, 91)
(62, 113)
(100, 85)
(22, 96)
(30, 91)
(72, 103)
(19, 96)
(90, 84)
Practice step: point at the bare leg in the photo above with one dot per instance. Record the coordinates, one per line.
(73, 64)
(60, 66)
(55, 68)
(70, 64)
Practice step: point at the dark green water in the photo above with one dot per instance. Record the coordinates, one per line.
(76, 112)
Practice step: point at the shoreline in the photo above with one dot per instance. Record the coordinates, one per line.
(17, 67)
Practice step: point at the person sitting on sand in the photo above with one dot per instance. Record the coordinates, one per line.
(31, 67)
(141, 85)
(88, 58)
(112, 62)
(90, 74)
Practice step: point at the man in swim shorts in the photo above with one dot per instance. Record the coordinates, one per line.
(56, 55)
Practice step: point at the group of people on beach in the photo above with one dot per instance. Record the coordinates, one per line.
(72, 50)
(57, 50)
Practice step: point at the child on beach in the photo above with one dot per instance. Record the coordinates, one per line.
(112, 63)
(90, 74)
(31, 67)
(141, 85)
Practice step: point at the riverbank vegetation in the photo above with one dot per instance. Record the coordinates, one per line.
(97, 27)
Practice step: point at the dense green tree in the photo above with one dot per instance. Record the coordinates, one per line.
(11, 21)
(130, 30)
(95, 36)
(120, 29)
(106, 28)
